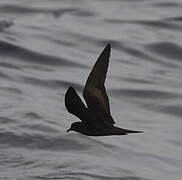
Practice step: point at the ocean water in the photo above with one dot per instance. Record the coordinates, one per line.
(47, 46)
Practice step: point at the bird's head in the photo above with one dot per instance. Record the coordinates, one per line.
(77, 126)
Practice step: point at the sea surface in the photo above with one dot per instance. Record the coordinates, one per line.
(47, 46)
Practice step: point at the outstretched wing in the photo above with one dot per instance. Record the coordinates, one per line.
(94, 92)
(75, 106)
(73, 103)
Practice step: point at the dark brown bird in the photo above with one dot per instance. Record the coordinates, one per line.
(96, 119)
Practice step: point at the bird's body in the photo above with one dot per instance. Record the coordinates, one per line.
(96, 119)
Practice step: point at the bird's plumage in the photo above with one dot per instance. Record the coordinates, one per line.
(94, 92)
(96, 119)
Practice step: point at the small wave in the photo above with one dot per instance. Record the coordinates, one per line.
(9, 9)
(178, 18)
(177, 142)
(4, 76)
(11, 90)
(167, 49)
(161, 24)
(13, 161)
(39, 128)
(140, 93)
(167, 4)
(53, 84)
(135, 80)
(15, 51)
(9, 65)
(140, 54)
(76, 12)
(6, 120)
(175, 110)
(32, 115)
(19, 9)
(83, 176)
(38, 141)
(56, 12)
(5, 24)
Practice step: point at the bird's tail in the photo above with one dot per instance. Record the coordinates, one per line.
(127, 131)
(131, 131)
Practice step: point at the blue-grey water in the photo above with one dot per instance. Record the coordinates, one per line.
(48, 45)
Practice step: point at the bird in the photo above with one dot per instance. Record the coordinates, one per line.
(96, 118)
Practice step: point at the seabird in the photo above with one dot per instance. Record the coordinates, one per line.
(96, 119)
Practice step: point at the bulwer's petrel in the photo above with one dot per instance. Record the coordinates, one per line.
(96, 119)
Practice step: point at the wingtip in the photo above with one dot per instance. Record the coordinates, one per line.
(106, 51)
(70, 88)
(108, 46)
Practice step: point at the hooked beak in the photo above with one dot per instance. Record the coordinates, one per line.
(68, 130)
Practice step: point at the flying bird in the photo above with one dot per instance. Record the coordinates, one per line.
(96, 119)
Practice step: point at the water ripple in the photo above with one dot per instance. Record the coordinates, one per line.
(140, 54)
(160, 24)
(56, 12)
(9, 65)
(37, 141)
(44, 46)
(175, 110)
(52, 84)
(168, 50)
(83, 176)
(140, 93)
(15, 51)
(5, 23)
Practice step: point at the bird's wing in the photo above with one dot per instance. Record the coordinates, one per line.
(73, 103)
(94, 92)
(75, 106)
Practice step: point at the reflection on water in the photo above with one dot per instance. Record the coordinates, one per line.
(47, 46)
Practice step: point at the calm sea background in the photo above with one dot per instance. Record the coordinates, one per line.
(48, 45)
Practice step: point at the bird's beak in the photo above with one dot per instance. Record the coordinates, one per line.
(68, 130)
